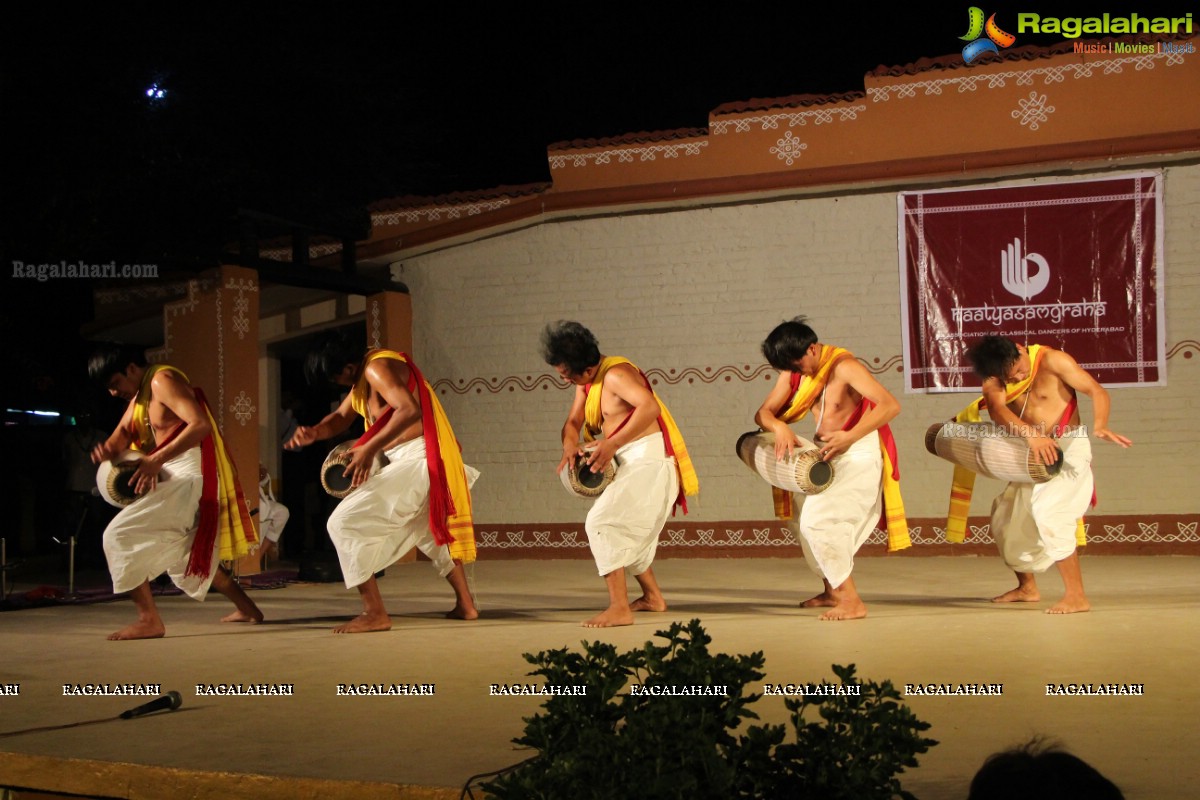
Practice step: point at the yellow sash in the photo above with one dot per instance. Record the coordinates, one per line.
(895, 520)
(450, 494)
(964, 479)
(689, 484)
(235, 528)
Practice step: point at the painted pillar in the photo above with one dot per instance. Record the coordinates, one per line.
(212, 336)
(389, 321)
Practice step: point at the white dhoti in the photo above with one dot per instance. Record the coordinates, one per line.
(387, 516)
(1034, 523)
(154, 534)
(624, 523)
(836, 522)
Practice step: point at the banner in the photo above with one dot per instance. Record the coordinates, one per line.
(1076, 265)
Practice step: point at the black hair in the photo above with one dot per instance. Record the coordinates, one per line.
(330, 356)
(993, 357)
(1037, 771)
(569, 344)
(788, 343)
(110, 359)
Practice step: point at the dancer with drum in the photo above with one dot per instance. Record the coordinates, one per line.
(852, 411)
(421, 498)
(1030, 391)
(186, 511)
(654, 473)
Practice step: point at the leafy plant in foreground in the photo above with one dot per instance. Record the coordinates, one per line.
(660, 742)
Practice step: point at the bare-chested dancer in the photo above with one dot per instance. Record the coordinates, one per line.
(390, 512)
(155, 533)
(1031, 392)
(613, 398)
(852, 411)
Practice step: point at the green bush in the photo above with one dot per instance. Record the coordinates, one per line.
(612, 743)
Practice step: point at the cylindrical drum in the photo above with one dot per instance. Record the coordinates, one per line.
(990, 450)
(803, 471)
(112, 478)
(333, 479)
(582, 482)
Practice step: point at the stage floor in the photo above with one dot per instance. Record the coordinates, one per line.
(929, 623)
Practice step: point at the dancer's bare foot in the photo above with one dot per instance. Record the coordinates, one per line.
(847, 609)
(366, 623)
(644, 603)
(1070, 605)
(822, 600)
(1021, 594)
(463, 611)
(253, 618)
(246, 609)
(142, 629)
(610, 618)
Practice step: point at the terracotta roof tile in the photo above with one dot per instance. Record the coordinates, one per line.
(639, 137)
(792, 101)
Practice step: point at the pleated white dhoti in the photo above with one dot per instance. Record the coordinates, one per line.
(624, 522)
(387, 516)
(154, 534)
(1034, 523)
(835, 523)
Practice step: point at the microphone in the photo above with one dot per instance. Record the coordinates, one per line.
(169, 701)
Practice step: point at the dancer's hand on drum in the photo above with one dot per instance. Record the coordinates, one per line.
(570, 453)
(102, 452)
(837, 443)
(145, 477)
(785, 441)
(358, 468)
(599, 455)
(303, 436)
(1044, 449)
(1109, 436)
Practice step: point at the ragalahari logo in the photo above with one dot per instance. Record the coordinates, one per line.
(978, 44)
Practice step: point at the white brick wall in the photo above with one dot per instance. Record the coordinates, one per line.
(700, 288)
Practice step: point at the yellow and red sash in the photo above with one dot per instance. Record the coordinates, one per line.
(805, 392)
(224, 517)
(964, 479)
(689, 484)
(449, 493)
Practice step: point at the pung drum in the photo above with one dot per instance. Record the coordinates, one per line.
(112, 478)
(989, 450)
(582, 482)
(803, 471)
(333, 480)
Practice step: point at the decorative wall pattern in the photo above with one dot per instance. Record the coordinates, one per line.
(242, 408)
(1024, 76)
(626, 155)
(1032, 111)
(772, 538)
(314, 251)
(728, 373)
(437, 213)
(793, 119)
(788, 148)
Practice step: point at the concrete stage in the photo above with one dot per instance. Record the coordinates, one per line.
(929, 623)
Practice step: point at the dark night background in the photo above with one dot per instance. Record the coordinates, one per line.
(312, 113)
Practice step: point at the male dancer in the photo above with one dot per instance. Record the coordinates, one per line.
(852, 411)
(1030, 392)
(420, 499)
(182, 525)
(654, 472)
